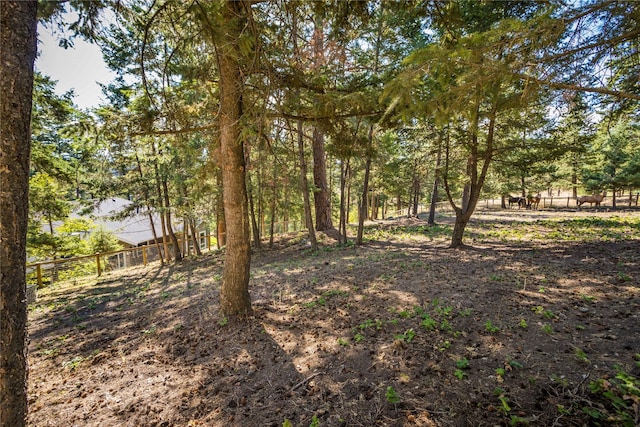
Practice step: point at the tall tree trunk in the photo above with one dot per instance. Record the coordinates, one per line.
(149, 214)
(344, 201)
(221, 225)
(364, 208)
(322, 199)
(163, 222)
(167, 204)
(321, 196)
(194, 236)
(476, 181)
(274, 198)
(18, 40)
(254, 223)
(305, 189)
(436, 178)
(234, 294)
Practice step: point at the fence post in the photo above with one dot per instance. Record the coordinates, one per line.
(144, 255)
(98, 263)
(39, 274)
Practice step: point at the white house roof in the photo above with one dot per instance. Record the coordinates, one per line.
(134, 229)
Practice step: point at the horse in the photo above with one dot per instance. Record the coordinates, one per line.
(533, 201)
(596, 198)
(519, 200)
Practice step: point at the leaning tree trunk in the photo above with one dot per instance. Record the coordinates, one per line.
(18, 40)
(234, 294)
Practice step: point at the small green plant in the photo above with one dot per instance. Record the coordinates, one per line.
(465, 313)
(547, 329)
(405, 314)
(343, 342)
(149, 331)
(73, 363)
(462, 363)
(491, 328)
(538, 309)
(623, 277)
(445, 325)
(446, 345)
(315, 422)
(287, 423)
(224, 321)
(428, 323)
(392, 395)
(588, 298)
(523, 324)
(548, 314)
(358, 337)
(504, 400)
(408, 336)
(445, 311)
(459, 374)
(581, 355)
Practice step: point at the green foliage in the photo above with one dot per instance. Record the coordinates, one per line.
(102, 240)
(620, 397)
(491, 328)
(392, 395)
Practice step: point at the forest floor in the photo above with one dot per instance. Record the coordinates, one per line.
(536, 321)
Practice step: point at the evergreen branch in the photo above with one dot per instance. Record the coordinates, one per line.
(578, 88)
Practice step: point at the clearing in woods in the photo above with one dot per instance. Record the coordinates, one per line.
(535, 322)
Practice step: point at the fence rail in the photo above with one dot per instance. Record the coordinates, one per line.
(39, 273)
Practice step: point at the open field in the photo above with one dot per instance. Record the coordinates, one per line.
(534, 322)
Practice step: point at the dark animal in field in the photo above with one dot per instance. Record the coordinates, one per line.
(596, 198)
(533, 201)
(520, 201)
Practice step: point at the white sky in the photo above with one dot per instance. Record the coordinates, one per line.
(75, 68)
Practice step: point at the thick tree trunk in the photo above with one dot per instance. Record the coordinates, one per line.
(458, 230)
(321, 198)
(18, 40)
(234, 294)
(305, 190)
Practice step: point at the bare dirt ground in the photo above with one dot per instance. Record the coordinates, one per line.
(534, 322)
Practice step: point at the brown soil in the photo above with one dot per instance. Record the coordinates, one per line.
(335, 333)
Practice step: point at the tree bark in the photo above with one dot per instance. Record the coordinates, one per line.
(18, 40)
(177, 254)
(305, 189)
(364, 208)
(234, 294)
(434, 190)
(221, 225)
(321, 196)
